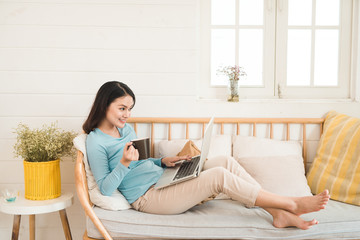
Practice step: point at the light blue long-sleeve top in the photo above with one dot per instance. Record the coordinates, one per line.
(104, 153)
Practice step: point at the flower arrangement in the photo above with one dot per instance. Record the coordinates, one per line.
(45, 144)
(234, 73)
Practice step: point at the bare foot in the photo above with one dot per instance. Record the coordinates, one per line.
(311, 203)
(284, 219)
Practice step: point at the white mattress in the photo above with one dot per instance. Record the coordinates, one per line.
(226, 219)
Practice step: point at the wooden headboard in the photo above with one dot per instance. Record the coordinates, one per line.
(237, 122)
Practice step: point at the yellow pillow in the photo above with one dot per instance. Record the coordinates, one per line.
(336, 166)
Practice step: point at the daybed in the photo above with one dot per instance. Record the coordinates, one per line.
(221, 218)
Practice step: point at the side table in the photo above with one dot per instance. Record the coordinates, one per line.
(23, 206)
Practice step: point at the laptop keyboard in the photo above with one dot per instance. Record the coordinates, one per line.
(187, 168)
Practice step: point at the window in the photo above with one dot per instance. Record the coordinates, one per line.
(288, 48)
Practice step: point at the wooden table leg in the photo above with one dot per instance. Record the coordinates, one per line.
(32, 226)
(16, 226)
(65, 224)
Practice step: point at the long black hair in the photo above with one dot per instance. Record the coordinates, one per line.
(107, 93)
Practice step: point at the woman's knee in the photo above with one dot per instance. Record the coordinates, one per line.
(217, 177)
(218, 161)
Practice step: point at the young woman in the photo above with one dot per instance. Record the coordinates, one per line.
(114, 163)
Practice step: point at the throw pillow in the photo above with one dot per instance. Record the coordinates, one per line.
(336, 166)
(114, 202)
(220, 145)
(189, 149)
(245, 146)
(276, 165)
(283, 175)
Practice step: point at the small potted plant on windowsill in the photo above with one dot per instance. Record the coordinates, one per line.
(41, 150)
(233, 73)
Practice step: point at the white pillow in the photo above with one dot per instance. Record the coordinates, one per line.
(220, 145)
(169, 148)
(114, 202)
(276, 165)
(283, 175)
(264, 147)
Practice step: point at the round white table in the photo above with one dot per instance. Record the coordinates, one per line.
(23, 206)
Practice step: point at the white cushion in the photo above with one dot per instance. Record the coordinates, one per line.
(283, 175)
(226, 219)
(263, 147)
(276, 165)
(114, 202)
(220, 145)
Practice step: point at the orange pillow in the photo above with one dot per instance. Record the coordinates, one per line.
(189, 149)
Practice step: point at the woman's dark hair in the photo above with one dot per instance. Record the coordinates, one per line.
(107, 93)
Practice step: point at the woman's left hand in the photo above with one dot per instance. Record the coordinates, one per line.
(171, 161)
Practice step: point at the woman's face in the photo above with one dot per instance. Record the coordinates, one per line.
(119, 111)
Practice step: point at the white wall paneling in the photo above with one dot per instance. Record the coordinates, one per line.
(55, 54)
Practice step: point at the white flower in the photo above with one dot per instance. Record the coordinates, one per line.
(233, 72)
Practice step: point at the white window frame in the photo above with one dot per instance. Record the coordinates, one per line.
(355, 83)
(275, 58)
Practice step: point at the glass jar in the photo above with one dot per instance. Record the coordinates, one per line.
(233, 90)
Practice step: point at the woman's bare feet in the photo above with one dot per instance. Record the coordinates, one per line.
(286, 211)
(295, 205)
(284, 219)
(311, 203)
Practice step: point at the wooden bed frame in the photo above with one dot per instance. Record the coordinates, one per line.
(80, 175)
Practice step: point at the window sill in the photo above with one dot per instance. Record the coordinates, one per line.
(277, 100)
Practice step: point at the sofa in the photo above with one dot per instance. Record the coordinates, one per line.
(275, 151)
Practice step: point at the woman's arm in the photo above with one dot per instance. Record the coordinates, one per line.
(171, 161)
(157, 161)
(107, 181)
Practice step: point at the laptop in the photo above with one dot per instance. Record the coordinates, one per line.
(187, 170)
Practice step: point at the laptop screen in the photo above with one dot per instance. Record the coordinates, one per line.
(206, 142)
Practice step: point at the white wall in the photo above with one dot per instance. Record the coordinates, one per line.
(55, 54)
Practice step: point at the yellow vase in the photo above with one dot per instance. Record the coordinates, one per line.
(42, 180)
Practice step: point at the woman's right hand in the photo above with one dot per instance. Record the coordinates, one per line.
(130, 154)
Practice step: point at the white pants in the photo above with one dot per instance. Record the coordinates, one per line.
(220, 175)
